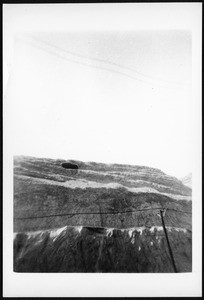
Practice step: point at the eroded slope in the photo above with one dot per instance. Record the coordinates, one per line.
(117, 199)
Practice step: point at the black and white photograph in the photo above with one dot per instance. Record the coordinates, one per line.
(102, 149)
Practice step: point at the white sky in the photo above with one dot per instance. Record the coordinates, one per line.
(120, 96)
(73, 107)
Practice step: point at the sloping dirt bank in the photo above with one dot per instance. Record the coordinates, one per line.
(89, 249)
(102, 218)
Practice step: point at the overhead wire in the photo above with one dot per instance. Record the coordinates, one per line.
(59, 52)
(97, 213)
(108, 62)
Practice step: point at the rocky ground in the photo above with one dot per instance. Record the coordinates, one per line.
(101, 218)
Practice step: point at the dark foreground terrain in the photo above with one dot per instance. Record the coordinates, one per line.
(100, 218)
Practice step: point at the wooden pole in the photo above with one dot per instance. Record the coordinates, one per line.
(101, 241)
(167, 239)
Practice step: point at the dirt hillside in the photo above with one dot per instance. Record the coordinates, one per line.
(99, 218)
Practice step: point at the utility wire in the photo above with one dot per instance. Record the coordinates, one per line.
(108, 62)
(63, 55)
(97, 213)
(87, 64)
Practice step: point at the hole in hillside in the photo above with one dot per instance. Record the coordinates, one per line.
(70, 166)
